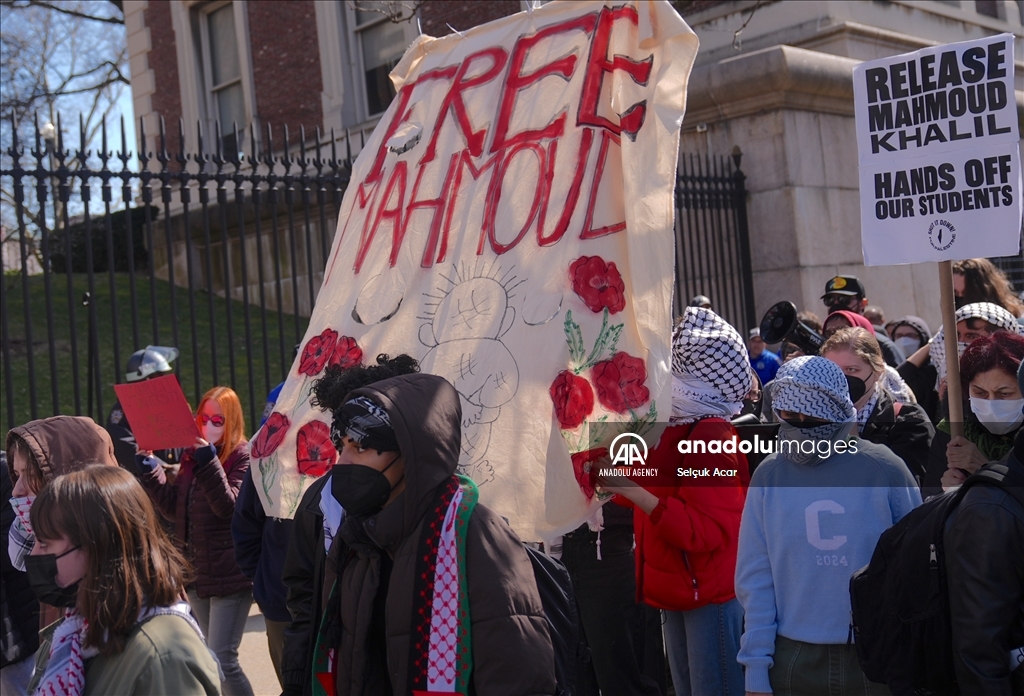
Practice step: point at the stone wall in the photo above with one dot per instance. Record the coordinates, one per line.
(790, 111)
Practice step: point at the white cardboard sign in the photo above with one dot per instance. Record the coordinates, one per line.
(510, 225)
(938, 143)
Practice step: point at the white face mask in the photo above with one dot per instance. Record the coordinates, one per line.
(213, 433)
(999, 416)
(908, 344)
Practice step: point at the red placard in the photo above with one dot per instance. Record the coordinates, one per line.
(159, 415)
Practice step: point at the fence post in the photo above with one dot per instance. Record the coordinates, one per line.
(743, 232)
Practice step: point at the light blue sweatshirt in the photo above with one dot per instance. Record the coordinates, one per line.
(805, 530)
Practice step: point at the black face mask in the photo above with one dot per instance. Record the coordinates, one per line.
(361, 490)
(858, 387)
(959, 302)
(42, 576)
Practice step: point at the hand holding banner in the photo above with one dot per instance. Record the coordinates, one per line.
(159, 414)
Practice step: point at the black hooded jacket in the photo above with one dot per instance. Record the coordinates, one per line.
(511, 647)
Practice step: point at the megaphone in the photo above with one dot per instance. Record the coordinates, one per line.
(780, 323)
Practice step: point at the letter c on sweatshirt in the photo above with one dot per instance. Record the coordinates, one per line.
(814, 528)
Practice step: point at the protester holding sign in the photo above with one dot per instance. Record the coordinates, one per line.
(686, 536)
(146, 364)
(201, 502)
(992, 416)
(812, 516)
(984, 543)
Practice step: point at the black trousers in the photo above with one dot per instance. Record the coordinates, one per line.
(627, 655)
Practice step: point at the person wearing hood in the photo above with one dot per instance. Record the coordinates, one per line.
(426, 587)
(686, 535)
(992, 412)
(985, 575)
(814, 512)
(37, 453)
(19, 609)
(316, 523)
(903, 428)
(912, 334)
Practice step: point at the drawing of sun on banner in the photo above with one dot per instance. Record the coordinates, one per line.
(510, 225)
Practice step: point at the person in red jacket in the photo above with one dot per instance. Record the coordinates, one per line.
(200, 502)
(687, 534)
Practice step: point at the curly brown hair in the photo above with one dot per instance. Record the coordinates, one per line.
(131, 564)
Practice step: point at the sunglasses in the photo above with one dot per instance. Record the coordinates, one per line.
(216, 420)
(840, 301)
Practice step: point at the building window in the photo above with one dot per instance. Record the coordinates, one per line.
(381, 33)
(222, 71)
(989, 8)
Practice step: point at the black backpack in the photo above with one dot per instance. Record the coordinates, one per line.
(559, 600)
(900, 605)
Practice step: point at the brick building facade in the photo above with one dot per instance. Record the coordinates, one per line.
(300, 63)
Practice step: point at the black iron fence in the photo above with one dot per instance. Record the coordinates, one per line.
(221, 254)
(712, 238)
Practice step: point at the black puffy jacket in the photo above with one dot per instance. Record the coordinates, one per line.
(303, 575)
(984, 543)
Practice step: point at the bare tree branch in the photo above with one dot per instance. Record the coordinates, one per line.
(395, 10)
(22, 4)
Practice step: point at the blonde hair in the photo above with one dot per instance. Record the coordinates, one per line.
(234, 421)
(858, 341)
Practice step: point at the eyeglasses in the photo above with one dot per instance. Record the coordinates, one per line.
(216, 420)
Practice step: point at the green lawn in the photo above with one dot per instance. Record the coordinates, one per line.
(265, 372)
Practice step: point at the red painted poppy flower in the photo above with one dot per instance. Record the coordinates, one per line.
(270, 436)
(620, 383)
(347, 353)
(584, 465)
(573, 398)
(317, 351)
(314, 451)
(598, 284)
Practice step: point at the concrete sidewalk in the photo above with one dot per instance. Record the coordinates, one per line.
(255, 658)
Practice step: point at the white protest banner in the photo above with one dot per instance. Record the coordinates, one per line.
(937, 136)
(509, 224)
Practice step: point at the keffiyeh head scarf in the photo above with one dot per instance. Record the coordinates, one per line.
(992, 313)
(710, 367)
(815, 387)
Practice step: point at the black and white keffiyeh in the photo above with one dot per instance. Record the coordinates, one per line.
(990, 312)
(710, 367)
(366, 422)
(816, 387)
(813, 386)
